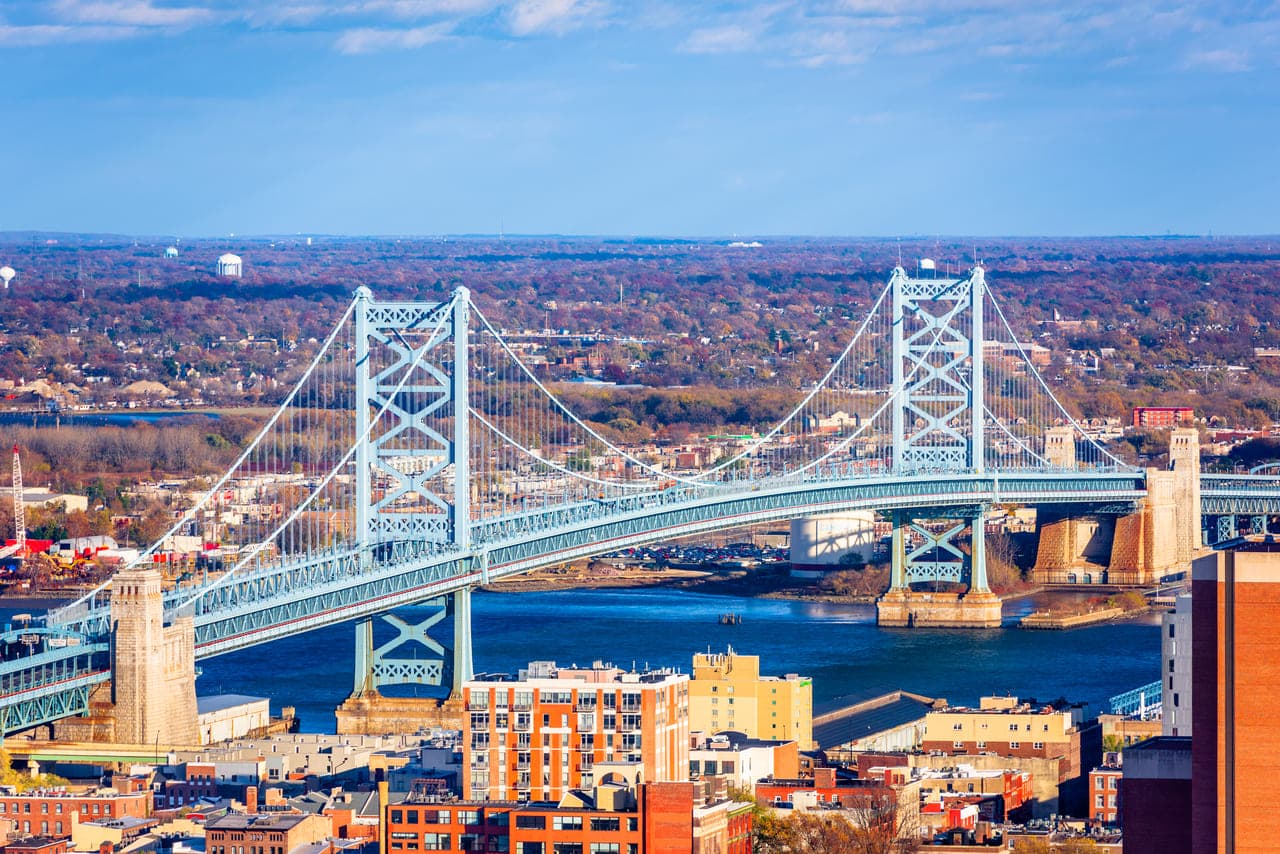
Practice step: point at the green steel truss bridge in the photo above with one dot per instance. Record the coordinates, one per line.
(421, 454)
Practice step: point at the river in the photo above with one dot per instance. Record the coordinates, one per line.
(838, 645)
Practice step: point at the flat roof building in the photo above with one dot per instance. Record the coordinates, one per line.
(539, 735)
(727, 692)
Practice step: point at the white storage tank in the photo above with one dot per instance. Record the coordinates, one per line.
(230, 265)
(820, 543)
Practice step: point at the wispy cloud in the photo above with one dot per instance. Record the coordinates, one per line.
(1223, 59)
(530, 17)
(373, 39)
(131, 13)
(38, 35)
(731, 38)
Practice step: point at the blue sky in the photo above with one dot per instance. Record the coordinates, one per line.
(845, 117)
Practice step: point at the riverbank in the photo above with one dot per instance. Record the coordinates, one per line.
(760, 583)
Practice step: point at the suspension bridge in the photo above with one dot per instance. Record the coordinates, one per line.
(419, 456)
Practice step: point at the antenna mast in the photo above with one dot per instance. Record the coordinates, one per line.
(19, 512)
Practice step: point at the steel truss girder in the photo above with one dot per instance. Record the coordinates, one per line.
(1147, 697)
(50, 685)
(348, 587)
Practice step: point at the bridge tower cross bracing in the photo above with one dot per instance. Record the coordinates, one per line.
(938, 420)
(413, 471)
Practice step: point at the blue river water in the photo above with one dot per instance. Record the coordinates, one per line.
(838, 645)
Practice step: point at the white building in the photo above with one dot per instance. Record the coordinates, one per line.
(172, 252)
(1175, 658)
(230, 265)
(223, 717)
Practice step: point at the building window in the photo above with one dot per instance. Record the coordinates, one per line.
(606, 824)
(982, 745)
(1038, 745)
(1175, 699)
(1014, 745)
(531, 822)
(1097, 801)
(567, 822)
(567, 848)
(957, 744)
(604, 848)
(1171, 630)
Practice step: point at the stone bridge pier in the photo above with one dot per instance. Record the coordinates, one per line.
(1139, 548)
(151, 698)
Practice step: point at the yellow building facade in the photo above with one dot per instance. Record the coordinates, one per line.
(727, 692)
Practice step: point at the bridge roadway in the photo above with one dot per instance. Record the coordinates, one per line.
(281, 599)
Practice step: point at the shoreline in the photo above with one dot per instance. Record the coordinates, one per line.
(740, 583)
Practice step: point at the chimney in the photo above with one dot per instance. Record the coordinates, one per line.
(251, 799)
(824, 778)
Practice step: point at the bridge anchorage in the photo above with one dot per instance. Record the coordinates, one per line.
(419, 456)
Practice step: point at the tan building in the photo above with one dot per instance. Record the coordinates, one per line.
(1007, 727)
(727, 693)
(264, 833)
(541, 734)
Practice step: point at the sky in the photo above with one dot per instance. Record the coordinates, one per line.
(605, 117)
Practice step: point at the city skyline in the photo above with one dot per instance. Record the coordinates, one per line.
(871, 117)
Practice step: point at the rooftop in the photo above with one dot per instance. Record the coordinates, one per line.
(837, 729)
(221, 702)
(260, 821)
(598, 673)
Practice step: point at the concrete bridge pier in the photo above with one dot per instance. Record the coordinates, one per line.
(369, 712)
(1158, 540)
(152, 694)
(939, 558)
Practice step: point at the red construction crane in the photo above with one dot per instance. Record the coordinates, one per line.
(19, 512)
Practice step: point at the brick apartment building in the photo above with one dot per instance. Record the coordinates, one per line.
(538, 736)
(1235, 602)
(1104, 794)
(1006, 727)
(264, 833)
(47, 812)
(618, 815)
(1163, 416)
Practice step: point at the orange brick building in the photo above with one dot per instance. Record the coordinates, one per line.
(538, 736)
(620, 815)
(1162, 416)
(1235, 607)
(1104, 794)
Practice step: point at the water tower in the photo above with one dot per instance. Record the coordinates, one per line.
(230, 265)
(7, 273)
